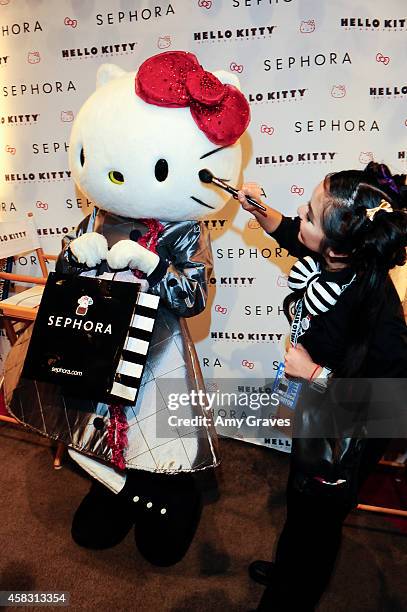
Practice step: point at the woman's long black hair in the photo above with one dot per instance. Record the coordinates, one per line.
(373, 246)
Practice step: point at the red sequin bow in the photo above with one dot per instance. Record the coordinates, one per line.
(175, 79)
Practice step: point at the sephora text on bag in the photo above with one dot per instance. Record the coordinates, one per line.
(81, 333)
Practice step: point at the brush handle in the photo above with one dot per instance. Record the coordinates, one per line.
(234, 192)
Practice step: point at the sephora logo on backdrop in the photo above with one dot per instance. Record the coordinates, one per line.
(251, 253)
(208, 362)
(29, 260)
(19, 119)
(232, 281)
(137, 15)
(307, 61)
(49, 148)
(8, 207)
(236, 336)
(281, 95)
(235, 34)
(379, 92)
(336, 125)
(33, 89)
(30, 177)
(369, 23)
(295, 158)
(26, 27)
(111, 49)
(82, 203)
(262, 310)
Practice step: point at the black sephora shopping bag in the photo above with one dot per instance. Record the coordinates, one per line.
(91, 336)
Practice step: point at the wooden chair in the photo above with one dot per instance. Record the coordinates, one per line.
(19, 310)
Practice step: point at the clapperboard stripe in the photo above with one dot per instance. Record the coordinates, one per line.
(132, 361)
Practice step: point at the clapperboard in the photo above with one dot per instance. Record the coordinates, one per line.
(134, 355)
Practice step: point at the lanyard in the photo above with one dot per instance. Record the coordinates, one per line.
(297, 327)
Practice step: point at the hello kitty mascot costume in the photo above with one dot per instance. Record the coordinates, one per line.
(137, 146)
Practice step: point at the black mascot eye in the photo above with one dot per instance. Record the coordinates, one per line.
(82, 158)
(161, 170)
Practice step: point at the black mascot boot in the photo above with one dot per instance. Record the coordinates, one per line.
(168, 509)
(103, 518)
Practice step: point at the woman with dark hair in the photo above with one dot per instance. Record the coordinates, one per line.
(346, 322)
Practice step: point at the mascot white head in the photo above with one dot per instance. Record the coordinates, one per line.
(140, 140)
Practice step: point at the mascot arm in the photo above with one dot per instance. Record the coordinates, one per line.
(182, 274)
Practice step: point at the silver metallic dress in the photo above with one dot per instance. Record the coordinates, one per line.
(185, 263)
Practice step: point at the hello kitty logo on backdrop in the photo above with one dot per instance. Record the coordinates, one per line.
(164, 42)
(236, 67)
(307, 27)
(221, 309)
(41, 205)
(67, 116)
(206, 4)
(366, 157)
(383, 59)
(266, 129)
(314, 72)
(33, 57)
(338, 91)
(70, 22)
(253, 224)
(248, 364)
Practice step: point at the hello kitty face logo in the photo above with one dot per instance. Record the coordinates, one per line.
(338, 91)
(307, 27)
(365, 157)
(83, 304)
(67, 116)
(33, 57)
(164, 42)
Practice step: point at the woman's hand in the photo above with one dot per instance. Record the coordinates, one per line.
(269, 219)
(298, 363)
(254, 191)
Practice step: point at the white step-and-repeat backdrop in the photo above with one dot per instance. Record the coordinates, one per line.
(327, 88)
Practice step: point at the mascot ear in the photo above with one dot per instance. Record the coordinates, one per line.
(227, 78)
(108, 72)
